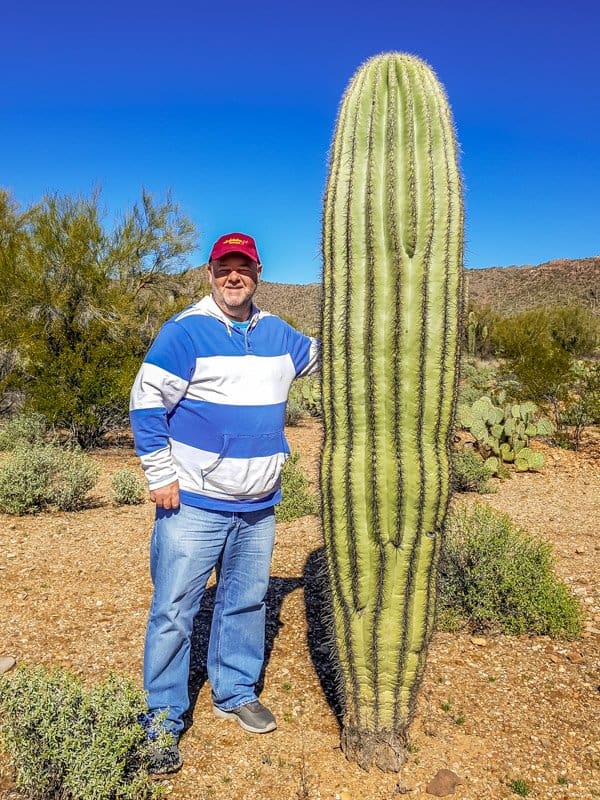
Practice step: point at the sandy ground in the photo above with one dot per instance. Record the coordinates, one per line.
(75, 589)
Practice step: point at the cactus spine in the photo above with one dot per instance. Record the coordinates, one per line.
(392, 249)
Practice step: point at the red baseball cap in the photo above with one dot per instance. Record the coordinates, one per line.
(234, 243)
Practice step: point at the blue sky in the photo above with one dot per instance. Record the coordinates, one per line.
(233, 107)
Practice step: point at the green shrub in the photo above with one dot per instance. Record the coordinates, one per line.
(479, 321)
(476, 378)
(582, 407)
(36, 478)
(485, 377)
(74, 475)
(294, 412)
(127, 488)
(306, 392)
(27, 428)
(575, 328)
(80, 300)
(298, 499)
(470, 473)
(73, 743)
(498, 578)
(538, 362)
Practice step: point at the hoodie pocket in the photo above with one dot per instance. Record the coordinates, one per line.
(247, 466)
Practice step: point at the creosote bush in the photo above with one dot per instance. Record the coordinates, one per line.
(73, 743)
(495, 577)
(127, 488)
(41, 477)
(298, 499)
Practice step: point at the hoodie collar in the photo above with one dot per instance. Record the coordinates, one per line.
(208, 306)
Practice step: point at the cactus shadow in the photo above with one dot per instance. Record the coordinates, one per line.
(318, 602)
(276, 593)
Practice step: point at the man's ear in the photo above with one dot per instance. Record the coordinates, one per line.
(258, 269)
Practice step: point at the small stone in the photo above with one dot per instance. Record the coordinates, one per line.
(575, 657)
(99, 603)
(554, 658)
(22, 595)
(480, 641)
(443, 783)
(345, 796)
(580, 551)
(6, 663)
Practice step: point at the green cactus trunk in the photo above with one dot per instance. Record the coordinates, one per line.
(392, 248)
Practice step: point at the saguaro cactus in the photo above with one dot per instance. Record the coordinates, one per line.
(392, 247)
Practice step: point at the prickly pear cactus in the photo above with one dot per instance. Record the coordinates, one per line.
(392, 248)
(506, 432)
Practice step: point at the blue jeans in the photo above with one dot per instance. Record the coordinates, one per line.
(186, 544)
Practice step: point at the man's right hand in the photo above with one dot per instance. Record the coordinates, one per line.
(167, 496)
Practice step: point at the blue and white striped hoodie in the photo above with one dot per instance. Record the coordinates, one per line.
(208, 406)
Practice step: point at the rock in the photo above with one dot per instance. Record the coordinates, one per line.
(6, 663)
(575, 657)
(443, 783)
(345, 796)
(480, 641)
(22, 595)
(580, 551)
(554, 658)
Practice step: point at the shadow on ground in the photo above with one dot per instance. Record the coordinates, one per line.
(319, 632)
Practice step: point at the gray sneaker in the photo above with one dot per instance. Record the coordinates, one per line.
(252, 717)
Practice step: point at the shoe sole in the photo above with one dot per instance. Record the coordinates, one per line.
(168, 771)
(220, 714)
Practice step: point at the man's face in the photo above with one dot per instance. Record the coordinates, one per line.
(233, 279)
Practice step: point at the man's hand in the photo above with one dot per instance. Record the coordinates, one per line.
(167, 496)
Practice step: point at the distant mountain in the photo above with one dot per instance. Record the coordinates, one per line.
(560, 282)
(504, 289)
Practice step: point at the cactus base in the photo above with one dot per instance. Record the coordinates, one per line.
(384, 749)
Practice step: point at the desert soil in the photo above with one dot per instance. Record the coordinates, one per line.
(75, 589)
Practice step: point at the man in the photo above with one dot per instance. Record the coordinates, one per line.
(208, 413)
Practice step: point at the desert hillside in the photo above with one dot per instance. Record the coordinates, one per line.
(504, 289)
